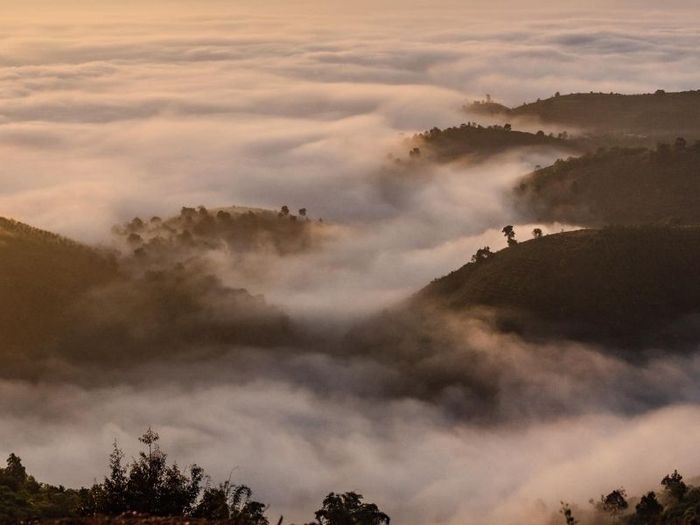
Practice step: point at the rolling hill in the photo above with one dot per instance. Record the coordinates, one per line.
(616, 186)
(634, 285)
(63, 301)
(655, 116)
(475, 142)
(41, 275)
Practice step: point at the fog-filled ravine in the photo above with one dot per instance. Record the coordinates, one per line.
(286, 239)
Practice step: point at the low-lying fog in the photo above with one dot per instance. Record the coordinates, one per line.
(104, 118)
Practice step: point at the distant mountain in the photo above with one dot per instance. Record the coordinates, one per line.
(626, 284)
(616, 186)
(41, 275)
(657, 115)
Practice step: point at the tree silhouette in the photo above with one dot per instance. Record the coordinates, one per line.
(14, 475)
(510, 235)
(150, 486)
(348, 509)
(568, 514)
(614, 503)
(537, 233)
(674, 485)
(647, 511)
(115, 486)
(482, 254)
(231, 502)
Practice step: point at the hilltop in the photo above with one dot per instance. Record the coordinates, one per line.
(233, 228)
(624, 186)
(61, 300)
(659, 115)
(476, 142)
(621, 283)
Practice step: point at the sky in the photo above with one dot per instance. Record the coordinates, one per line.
(110, 110)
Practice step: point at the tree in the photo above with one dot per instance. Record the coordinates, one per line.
(507, 127)
(647, 511)
(149, 485)
(231, 502)
(244, 510)
(674, 485)
(510, 235)
(284, 211)
(14, 475)
(482, 254)
(134, 239)
(302, 212)
(680, 144)
(568, 514)
(614, 503)
(213, 505)
(114, 487)
(537, 233)
(348, 509)
(223, 216)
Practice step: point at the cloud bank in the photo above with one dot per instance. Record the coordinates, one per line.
(104, 118)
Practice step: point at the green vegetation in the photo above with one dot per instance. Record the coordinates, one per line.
(620, 283)
(149, 486)
(22, 497)
(617, 186)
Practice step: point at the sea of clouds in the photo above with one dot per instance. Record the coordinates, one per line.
(114, 110)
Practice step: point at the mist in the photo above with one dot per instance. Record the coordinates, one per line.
(219, 104)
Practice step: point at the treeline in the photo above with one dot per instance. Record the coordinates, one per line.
(283, 231)
(31, 233)
(149, 486)
(678, 503)
(473, 139)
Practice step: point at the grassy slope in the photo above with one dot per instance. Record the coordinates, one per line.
(41, 274)
(634, 186)
(616, 281)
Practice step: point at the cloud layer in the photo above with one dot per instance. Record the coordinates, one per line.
(115, 111)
